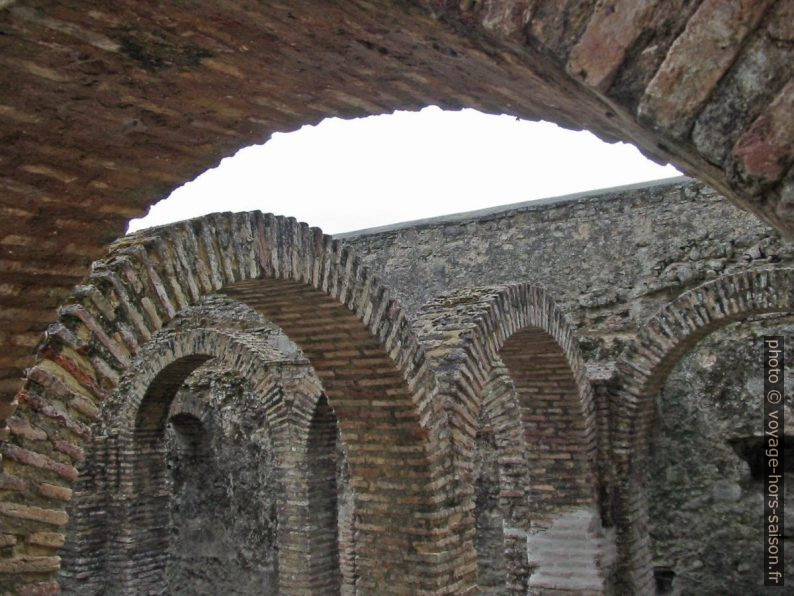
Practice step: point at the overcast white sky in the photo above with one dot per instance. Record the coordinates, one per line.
(344, 175)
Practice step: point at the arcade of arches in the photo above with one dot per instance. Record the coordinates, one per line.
(430, 407)
(241, 403)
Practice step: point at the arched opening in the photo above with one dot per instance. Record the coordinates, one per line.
(323, 491)
(706, 464)
(225, 490)
(320, 508)
(466, 160)
(348, 327)
(192, 85)
(567, 546)
(200, 496)
(188, 437)
(195, 503)
(500, 484)
(503, 340)
(643, 369)
(559, 440)
(146, 530)
(205, 514)
(538, 60)
(377, 418)
(217, 538)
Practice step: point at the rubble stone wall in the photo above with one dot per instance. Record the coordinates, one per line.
(609, 258)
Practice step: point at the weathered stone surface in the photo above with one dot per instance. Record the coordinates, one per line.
(53, 491)
(106, 111)
(761, 154)
(696, 61)
(50, 588)
(48, 539)
(36, 460)
(506, 19)
(643, 368)
(47, 516)
(22, 565)
(23, 429)
(219, 477)
(556, 25)
(12, 483)
(704, 496)
(195, 559)
(602, 48)
(7, 409)
(644, 56)
(410, 387)
(753, 81)
(611, 259)
(7, 540)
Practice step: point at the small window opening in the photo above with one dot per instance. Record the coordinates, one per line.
(752, 450)
(664, 576)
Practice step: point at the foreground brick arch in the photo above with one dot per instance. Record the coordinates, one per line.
(104, 111)
(356, 337)
(642, 370)
(471, 335)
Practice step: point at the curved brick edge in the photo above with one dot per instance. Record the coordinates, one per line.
(313, 287)
(465, 333)
(641, 372)
(143, 398)
(468, 334)
(136, 417)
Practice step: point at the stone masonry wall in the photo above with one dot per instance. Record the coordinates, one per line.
(609, 258)
(706, 489)
(103, 112)
(112, 350)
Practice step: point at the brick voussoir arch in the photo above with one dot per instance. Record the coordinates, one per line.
(556, 61)
(463, 332)
(136, 417)
(472, 334)
(184, 351)
(133, 423)
(316, 289)
(645, 363)
(642, 370)
(188, 405)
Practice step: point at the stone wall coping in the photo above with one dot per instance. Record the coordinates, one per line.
(600, 194)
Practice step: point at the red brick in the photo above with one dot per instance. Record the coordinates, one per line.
(614, 26)
(697, 61)
(763, 151)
